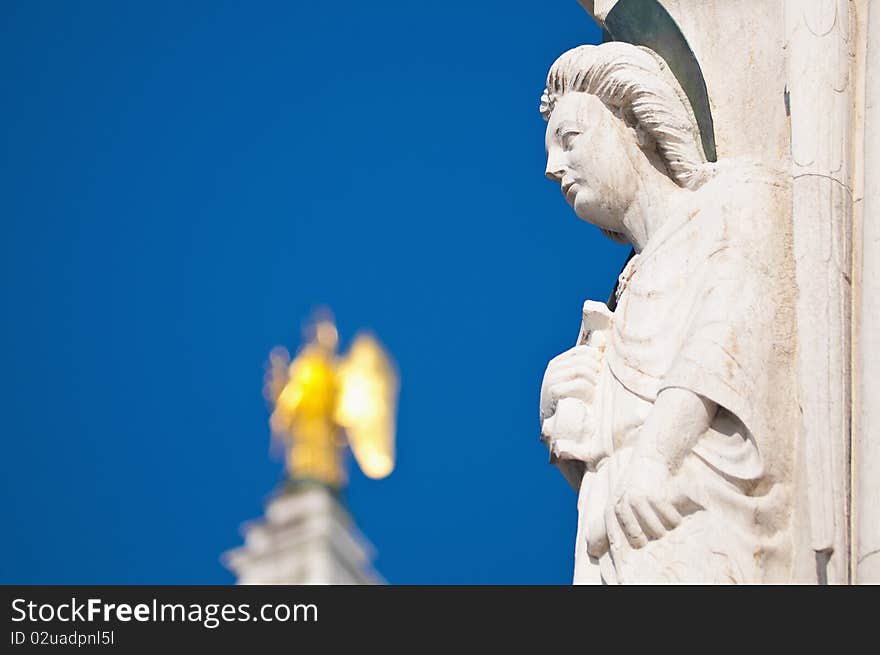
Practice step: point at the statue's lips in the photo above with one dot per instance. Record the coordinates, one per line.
(569, 190)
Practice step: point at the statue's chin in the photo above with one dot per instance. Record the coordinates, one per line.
(617, 237)
(594, 214)
(588, 215)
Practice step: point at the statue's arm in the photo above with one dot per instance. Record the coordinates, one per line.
(679, 418)
(646, 503)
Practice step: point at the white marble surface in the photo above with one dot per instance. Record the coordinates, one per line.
(867, 331)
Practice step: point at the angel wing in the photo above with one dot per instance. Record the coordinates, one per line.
(367, 405)
(276, 374)
(274, 382)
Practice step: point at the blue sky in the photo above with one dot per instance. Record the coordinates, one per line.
(183, 182)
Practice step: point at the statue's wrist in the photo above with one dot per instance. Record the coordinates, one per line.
(651, 446)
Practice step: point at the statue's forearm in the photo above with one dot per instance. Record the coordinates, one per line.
(679, 418)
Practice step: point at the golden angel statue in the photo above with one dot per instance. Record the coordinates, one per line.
(321, 401)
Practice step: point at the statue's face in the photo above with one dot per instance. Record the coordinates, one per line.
(588, 154)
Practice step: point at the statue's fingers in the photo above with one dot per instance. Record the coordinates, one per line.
(562, 357)
(575, 386)
(572, 359)
(670, 516)
(567, 374)
(586, 369)
(616, 538)
(582, 352)
(578, 388)
(591, 359)
(575, 362)
(584, 365)
(648, 519)
(630, 525)
(558, 374)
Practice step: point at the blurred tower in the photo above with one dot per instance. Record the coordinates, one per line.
(305, 537)
(321, 403)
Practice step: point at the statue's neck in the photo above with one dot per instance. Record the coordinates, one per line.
(657, 202)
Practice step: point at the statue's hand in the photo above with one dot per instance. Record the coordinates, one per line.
(567, 433)
(645, 502)
(573, 374)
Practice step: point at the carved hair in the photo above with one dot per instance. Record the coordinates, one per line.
(637, 86)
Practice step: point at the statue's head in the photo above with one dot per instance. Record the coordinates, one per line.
(615, 114)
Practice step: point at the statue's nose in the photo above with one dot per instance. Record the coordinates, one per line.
(555, 175)
(554, 170)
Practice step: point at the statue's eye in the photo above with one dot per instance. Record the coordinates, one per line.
(568, 138)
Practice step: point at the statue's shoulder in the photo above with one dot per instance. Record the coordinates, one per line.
(747, 201)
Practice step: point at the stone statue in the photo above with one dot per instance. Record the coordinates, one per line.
(675, 416)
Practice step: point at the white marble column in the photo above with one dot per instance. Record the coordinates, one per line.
(867, 333)
(821, 83)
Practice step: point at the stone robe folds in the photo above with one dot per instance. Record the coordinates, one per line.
(703, 308)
